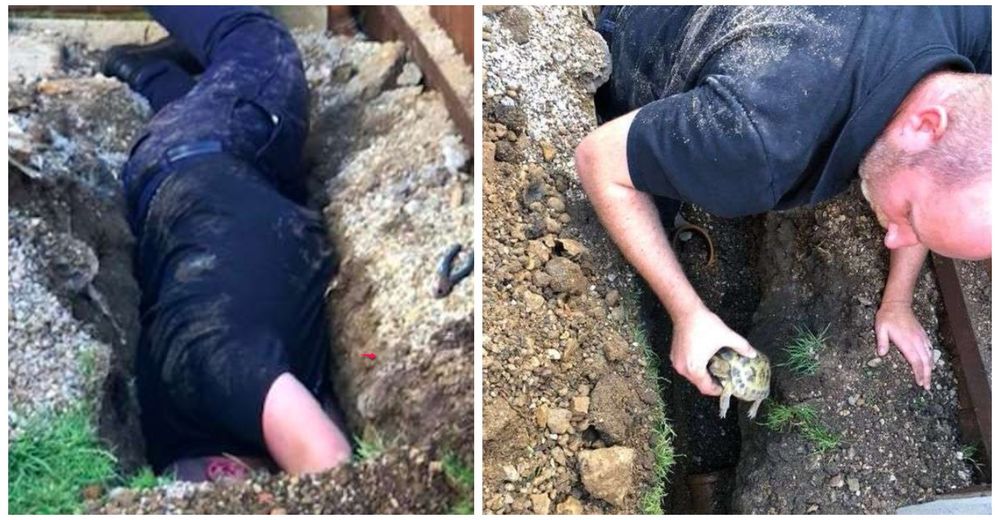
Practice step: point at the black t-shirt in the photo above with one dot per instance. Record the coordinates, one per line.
(748, 109)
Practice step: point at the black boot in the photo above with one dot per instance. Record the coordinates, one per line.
(125, 61)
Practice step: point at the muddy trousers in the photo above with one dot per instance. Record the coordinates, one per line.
(232, 269)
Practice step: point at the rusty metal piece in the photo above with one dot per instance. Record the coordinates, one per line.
(703, 490)
(975, 414)
(701, 231)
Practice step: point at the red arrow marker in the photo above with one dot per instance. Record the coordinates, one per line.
(369, 356)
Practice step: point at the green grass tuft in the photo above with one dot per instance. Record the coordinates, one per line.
(462, 477)
(368, 450)
(803, 353)
(54, 458)
(806, 420)
(146, 479)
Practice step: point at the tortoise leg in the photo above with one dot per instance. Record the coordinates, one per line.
(727, 392)
(753, 408)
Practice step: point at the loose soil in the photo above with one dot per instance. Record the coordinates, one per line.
(562, 377)
(813, 268)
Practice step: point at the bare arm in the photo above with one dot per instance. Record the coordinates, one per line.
(895, 321)
(631, 219)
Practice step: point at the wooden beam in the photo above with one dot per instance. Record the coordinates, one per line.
(975, 414)
(460, 24)
(388, 23)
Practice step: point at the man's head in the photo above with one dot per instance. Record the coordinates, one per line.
(928, 175)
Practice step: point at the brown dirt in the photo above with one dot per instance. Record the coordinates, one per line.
(899, 444)
(557, 332)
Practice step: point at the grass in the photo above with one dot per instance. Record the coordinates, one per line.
(803, 352)
(462, 477)
(146, 479)
(651, 501)
(804, 418)
(969, 457)
(53, 459)
(368, 450)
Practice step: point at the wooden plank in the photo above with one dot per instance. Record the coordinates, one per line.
(459, 22)
(974, 400)
(388, 23)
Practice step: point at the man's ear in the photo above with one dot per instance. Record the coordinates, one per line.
(923, 128)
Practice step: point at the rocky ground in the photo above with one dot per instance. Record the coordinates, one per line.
(569, 410)
(395, 181)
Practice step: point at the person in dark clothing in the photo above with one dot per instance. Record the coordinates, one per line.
(742, 110)
(233, 353)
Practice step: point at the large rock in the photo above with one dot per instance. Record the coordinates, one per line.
(567, 276)
(607, 473)
(611, 404)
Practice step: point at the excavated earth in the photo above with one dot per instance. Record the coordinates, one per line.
(816, 268)
(568, 410)
(393, 180)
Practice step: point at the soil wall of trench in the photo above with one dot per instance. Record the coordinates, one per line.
(393, 180)
(569, 409)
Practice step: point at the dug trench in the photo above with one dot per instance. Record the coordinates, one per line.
(877, 442)
(392, 179)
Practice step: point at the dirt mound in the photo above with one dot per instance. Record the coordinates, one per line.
(557, 327)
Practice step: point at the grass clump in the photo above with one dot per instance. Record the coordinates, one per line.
(53, 459)
(805, 419)
(462, 477)
(651, 501)
(368, 449)
(803, 352)
(146, 479)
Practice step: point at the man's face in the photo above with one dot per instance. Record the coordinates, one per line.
(954, 221)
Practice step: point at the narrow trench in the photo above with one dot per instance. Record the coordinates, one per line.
(707, 447)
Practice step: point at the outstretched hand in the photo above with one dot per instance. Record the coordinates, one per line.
(697, 337)
(895, 323)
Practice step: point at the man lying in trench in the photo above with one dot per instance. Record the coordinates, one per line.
(744, 110)
(232, 367)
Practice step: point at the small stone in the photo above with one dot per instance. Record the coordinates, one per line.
(570, 506)
(612, 298)
(542, 416)
(853, 400)
(92, 492)
(572, 248)
(874, 362)
(837, 481)
(581, 404)
(532, 301)
(553, 354)
(615, 348)
(556, 204)
(559, 420)
(510, 474)
(607, 473)
(410, 75)
(936, 354)
(121, 497)
(812, 508)
(279, 511)
(540, 503)
(853, 484)
(548, 151)
(567, 276)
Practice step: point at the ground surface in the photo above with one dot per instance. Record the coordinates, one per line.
(568, 409)
(815, 268)
(395, 184)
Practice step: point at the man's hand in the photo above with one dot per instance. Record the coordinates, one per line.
(698, 335)
(896, 323)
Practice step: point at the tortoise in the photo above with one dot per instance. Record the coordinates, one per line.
(745, 378)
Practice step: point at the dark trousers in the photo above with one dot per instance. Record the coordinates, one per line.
(232, 269)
